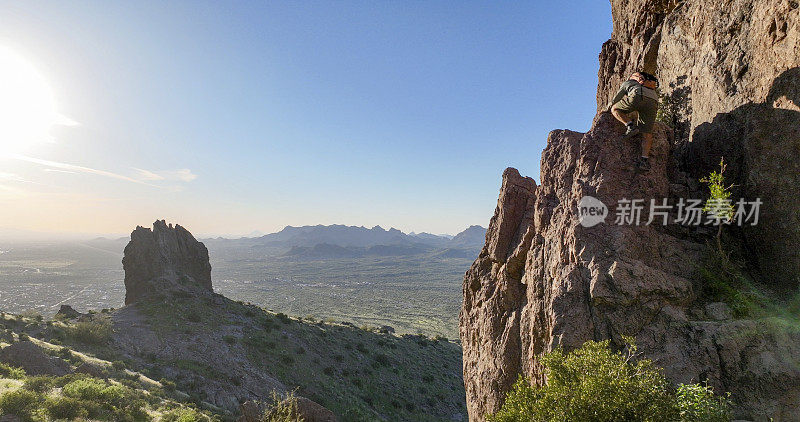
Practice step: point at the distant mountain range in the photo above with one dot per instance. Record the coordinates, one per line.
(340, 241)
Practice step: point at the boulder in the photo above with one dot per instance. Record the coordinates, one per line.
(31, 358)
(67, 312)
(308, 410)
(164, 258)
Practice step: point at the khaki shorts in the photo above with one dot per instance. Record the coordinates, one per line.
(645, 107)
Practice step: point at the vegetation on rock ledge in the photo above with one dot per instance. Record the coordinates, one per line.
(594, 383)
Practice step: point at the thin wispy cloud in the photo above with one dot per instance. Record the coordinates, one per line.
(77, 169)
(181, 175)
(49, 170)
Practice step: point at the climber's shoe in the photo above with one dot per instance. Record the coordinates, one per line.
(631, 130)
(643, 164)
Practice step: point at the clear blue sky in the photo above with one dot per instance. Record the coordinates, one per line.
(229, 117)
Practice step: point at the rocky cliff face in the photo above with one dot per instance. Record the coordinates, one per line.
(543, 280)
(164, 258)
(731, 83)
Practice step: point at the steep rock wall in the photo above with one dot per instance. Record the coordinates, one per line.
(544, 281)
(730, 73)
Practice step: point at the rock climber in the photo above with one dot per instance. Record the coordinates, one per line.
(637, 95)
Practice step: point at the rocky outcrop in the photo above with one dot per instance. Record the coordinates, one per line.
(544, 281)
(165, 258)
(68, 312)
(31, 358)
(305, 409)
(730, 75)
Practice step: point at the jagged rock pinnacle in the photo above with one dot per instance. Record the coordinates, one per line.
(164, 258)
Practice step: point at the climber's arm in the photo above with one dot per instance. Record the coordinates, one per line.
(620, 94)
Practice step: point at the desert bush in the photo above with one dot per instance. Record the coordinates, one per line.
(382, 359)
(283, 318)
(65, 408)
(287, 359)
(168, 385)
(23, 337)
(65, 353)
(697, 403)
(282, 410)
(107, 402)
(7, 371)
(90, 332)
(118, 365)
(593, 383)
(32, 314)
(38, 384)
(96, 390)
(21, 403)
(184, 415)
(229, 339)
(61, 381)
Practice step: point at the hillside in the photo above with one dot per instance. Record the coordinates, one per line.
(219, 353)
(544, 281)
(213, 353)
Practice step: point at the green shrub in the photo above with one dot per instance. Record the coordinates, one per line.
(11, 372)
(287, 359)
(65, 353)
(697, 403)
(283, 318)
(168, 385)
(184, 415)
(90, 332)
(61, 381)
(23, 337)
(382, 359)
(596, 384)
(20, 402)
(88, 388)
(282, 410)
(96, 390)
(718, 204)
(107, 402)
(118, 365)
(65, 408)
(666, 110)
(38, 384)
(230, 339)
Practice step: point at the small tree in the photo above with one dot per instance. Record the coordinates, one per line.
(718, 204)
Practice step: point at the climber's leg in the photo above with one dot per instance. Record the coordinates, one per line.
(647, 143)
(621, 116)
(625, 111)
(647, 119)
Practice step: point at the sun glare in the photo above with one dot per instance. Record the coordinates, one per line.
(27, 106)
